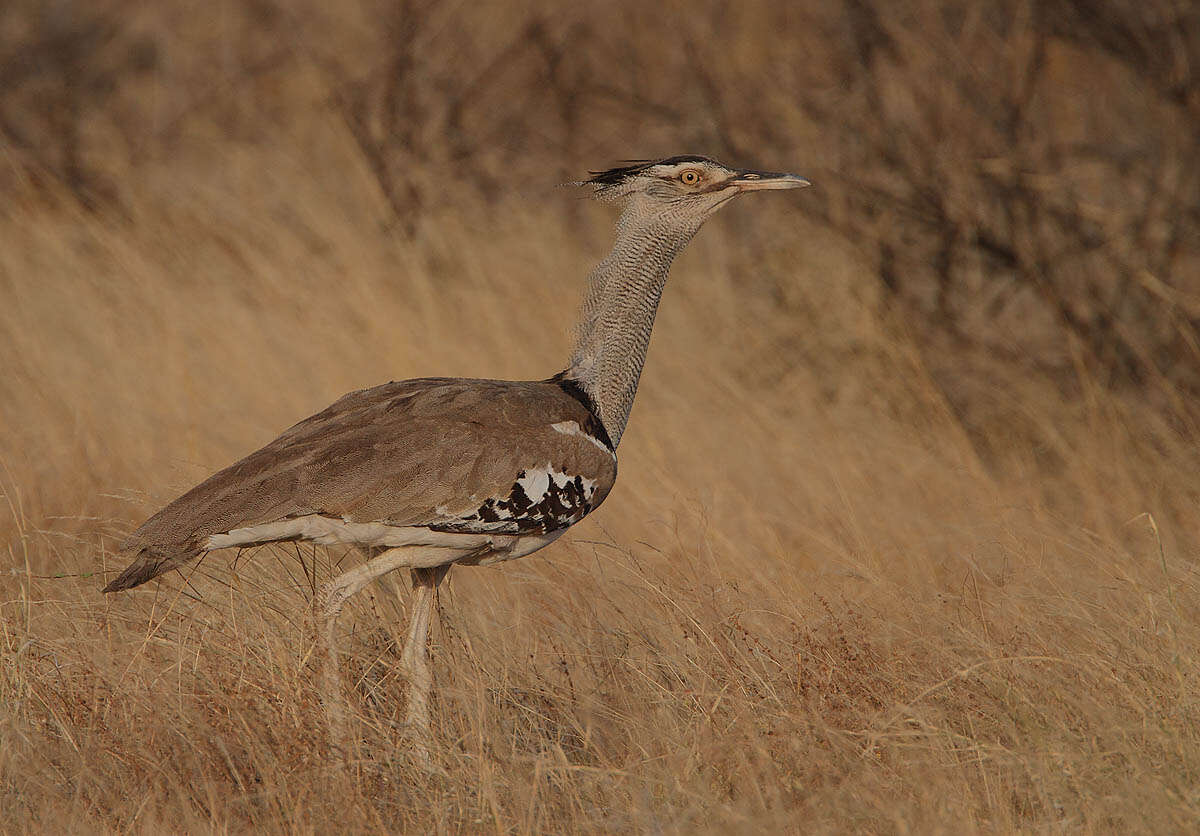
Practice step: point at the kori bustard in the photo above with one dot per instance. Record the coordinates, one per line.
(423, 474)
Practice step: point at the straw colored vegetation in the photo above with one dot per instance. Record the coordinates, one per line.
(851, 578)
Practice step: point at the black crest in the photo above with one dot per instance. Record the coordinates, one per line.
(613, 176)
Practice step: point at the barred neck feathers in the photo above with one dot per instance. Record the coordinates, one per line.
(618, 312)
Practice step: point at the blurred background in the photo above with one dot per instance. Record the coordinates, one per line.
(933, 415)
(1019, 182)
(1011, 187)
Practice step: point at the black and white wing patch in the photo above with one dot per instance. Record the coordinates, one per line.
(541, 500)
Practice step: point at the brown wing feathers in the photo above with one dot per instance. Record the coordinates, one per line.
(402, 453)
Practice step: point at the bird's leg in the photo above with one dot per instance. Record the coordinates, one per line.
(328, 606)
(415, 657)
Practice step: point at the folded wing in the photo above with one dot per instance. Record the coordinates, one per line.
(448, 455)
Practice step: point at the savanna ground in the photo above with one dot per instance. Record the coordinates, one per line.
(905, 537)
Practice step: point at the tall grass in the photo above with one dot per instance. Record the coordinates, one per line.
(808, 604)
(823, 596)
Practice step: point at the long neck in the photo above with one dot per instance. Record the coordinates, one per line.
(618, 315)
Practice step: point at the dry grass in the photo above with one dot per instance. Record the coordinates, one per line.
(818, 599)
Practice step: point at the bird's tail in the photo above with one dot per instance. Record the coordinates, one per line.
(151, 561)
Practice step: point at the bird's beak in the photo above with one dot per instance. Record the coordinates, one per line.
(752, 181)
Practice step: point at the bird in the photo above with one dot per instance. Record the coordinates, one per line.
(430, 473)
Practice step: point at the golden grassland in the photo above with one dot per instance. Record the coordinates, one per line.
(811, 602)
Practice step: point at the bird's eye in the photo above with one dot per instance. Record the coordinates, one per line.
(690, 177)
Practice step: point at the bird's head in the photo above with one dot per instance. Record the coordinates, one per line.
(685, 190)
